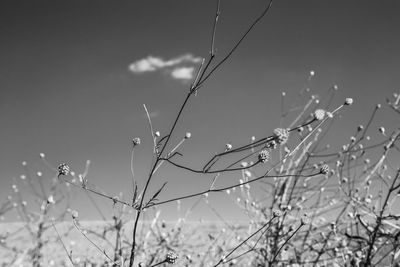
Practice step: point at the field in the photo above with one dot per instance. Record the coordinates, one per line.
(197, 241)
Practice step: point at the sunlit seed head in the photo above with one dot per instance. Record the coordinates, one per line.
(188, 135)
(282, 135)
(157, 134)
(223, 259)
(382, 130)
(42, 155)
(277, 213)
(324, 169)
(228, 147)
(63, 169)
(171, 257)
(50, 200)
(263, 156)
(271, 145)
(136, 141)
(312, 73)
(74, 214)
(348, 101)
(305, 219)
(319, 114)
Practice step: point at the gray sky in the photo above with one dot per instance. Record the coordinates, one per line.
(68, 87)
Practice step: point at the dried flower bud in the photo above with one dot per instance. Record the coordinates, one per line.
(263, 156)
(324, 169)
(282, 135)
(348, 101)
(319, 114)
(228, 147)
(136, 141)
(271, 144)
(305, 219)
(50, 200)
(277, 213)
(74, 214)
(171, 257)
(63, 169)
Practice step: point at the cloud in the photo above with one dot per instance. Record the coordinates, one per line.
(182, 73)
(152, 64)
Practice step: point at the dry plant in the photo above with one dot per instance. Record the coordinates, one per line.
(321, 206)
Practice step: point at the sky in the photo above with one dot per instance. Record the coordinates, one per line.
(74, 76)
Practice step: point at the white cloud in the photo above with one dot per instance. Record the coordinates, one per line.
(182, 73)
(152, 63)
